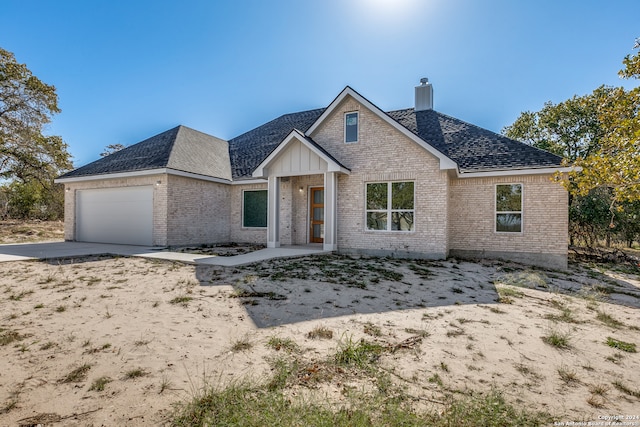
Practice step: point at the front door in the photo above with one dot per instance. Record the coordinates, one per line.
(316, 211)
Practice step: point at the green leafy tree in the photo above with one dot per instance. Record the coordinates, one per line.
(27, 156)
(599, 133)
(570, 129)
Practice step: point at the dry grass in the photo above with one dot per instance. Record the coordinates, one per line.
(17, 231)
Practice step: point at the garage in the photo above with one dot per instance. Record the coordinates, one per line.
(121, 215)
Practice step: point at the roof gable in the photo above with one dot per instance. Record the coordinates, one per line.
(298, 155)
(445, 162)
(181, 148)
(248, 150)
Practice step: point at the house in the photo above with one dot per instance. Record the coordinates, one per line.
(354, 178)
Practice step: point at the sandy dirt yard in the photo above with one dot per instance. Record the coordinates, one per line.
(113, 341)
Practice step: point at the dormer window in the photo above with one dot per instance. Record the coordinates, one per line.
(351, 127)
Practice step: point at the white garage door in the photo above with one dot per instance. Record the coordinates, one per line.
(115, 215)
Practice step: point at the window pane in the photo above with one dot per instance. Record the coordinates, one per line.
(255, 209)
(402, 221)
(318, 231)
(376, 220)
(402, 195)
(377, 196)
(318, 214)
(509, 198)
(509, 223)
(351, 127)
(318, 197)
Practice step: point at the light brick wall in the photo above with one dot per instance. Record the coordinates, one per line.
(159, 202)
(545, 220)
(382, 153)
(197, 211)
(239, 234)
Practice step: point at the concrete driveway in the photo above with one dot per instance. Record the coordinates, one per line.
(25, 251)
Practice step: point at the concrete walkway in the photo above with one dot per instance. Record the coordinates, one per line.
(48, 250)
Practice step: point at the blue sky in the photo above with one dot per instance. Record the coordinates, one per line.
(126, 70)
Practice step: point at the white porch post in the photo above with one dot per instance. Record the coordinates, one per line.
(273, 213)
(330, 211)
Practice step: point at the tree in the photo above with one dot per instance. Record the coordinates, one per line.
(570, 129)
(599, 133)
(26, 106)
(616, 164)
(111, 148)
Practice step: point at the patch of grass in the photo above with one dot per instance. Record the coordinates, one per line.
(135, 373)
(48, 345)
(557, 339)
(371, 329)
(418, 332)
(596, 401)
(608, 320)
(527, 371)
(629, 347)
(320, 332)
(361, 353)
(243, 344)
(61, 309)
(566, 315)
(455, 332)
(626, 390)
(98, 384)
(508, 292)
(435, 379)
(92, 350)
(38, 306)
(182, 300)
(8, 337)
(18, 297)
(568, 375)
(286, 344)
(77, 375)
(524, 279)
(599, 389)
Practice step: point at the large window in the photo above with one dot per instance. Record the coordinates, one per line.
(509, 208)
(351, 127)
(254, 209)
(390, 206)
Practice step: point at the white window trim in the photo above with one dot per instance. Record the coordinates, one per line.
(495, 209)
(242, 214)
(357, 113)
(389, 211)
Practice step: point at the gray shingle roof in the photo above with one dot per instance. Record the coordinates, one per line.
(473, 148)
(248, 150)
(180, 148)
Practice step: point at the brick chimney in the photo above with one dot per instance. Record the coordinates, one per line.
(424, 95)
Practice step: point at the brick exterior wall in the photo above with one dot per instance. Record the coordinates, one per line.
(452, 216)
(197, 211)
(159, 202)
(382, 153)
(543, 240)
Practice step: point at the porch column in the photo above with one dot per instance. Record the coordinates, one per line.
(330, 211)
(273, 213)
